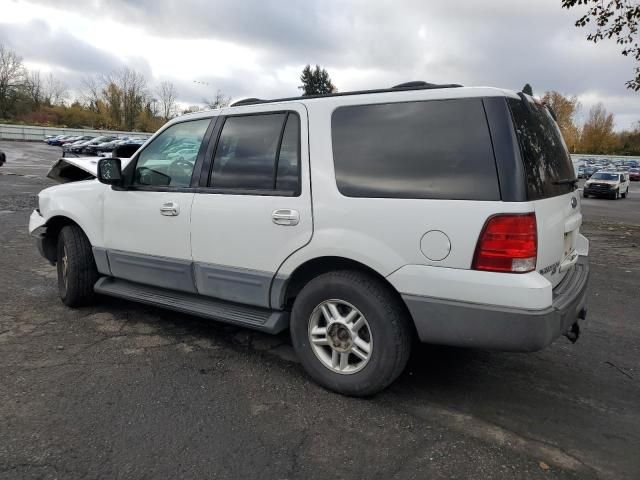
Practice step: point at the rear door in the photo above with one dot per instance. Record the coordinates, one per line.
(549, 175)
(253, 209)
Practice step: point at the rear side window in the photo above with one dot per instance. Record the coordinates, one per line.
(429, 149)
(547, 163)
(258, 152)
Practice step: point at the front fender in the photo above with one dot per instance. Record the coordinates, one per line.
(82, 202)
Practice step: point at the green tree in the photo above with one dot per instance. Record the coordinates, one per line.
(613, 19)
(315, 81)
(527, 89)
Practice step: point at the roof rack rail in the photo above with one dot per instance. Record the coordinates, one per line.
(403, 86)
(247, 101)
(420, 84)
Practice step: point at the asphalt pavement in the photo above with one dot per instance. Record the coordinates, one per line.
(121, 390)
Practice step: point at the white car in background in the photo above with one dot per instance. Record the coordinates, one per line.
(610, 184)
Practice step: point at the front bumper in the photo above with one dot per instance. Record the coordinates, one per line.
(599, 191)
(38, 230)
(465, 324)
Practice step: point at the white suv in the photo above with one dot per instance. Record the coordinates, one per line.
(357, 220)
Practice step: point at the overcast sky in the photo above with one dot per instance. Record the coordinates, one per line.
(257, 48)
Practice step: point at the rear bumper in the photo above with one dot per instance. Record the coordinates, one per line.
(465, 324)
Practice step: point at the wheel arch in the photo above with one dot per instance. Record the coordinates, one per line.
(284, 291)
(50, 240)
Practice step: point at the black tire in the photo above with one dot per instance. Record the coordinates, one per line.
(388, 321)
(75, 283)
(585, 195)
(624, 195)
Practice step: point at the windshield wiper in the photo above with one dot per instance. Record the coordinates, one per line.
(566, 181)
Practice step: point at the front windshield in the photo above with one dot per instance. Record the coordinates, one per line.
(605, 176)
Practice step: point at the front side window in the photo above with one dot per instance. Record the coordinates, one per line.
(258, 152)
(168, 161)
(426, 149)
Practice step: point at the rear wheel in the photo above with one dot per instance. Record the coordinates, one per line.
(626, 192)
(76, 266)
(351, 332)
(585, 195)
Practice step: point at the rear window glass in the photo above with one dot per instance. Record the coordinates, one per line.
(547, 163)
(428, 149)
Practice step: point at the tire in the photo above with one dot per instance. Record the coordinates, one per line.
(386, 327)
(585, 195)
(77, 272)
(626, 192)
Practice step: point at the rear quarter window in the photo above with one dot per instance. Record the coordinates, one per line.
(437, 149)
(546, 160)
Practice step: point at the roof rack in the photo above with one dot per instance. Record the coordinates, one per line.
(415, 85)
(247, 101)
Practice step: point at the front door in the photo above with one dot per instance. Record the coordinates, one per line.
(254, 207)
(146, 226)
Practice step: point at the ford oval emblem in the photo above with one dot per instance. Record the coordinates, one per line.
(574, 202)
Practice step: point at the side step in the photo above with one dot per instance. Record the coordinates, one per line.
(263, 319)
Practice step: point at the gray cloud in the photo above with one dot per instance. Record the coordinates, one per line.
(36, 41)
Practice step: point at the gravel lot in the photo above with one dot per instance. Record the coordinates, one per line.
(121, 390)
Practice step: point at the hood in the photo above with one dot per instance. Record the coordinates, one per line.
(68, 169)
(608, 182)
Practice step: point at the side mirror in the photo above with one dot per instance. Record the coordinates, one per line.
(110, 171)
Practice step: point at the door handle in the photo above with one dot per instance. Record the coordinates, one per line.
(170, 209)
(285, 216)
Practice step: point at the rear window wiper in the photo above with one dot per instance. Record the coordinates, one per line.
(566, 181)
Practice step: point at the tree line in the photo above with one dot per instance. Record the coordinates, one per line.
(596, 135)
(120, 100)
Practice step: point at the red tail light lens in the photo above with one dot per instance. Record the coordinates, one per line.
(508, 243)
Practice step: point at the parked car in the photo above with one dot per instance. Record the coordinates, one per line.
(634, 174)
(90, 148)
(607, 184)
(67, 145)
(582, 172)
(377, 255)
(56, 141)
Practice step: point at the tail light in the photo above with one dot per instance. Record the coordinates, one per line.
(507, 243)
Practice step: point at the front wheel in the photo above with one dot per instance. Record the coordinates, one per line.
(351, 332)
(77, 272)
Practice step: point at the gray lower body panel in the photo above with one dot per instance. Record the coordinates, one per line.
(509, 329)
(161, 272)
(262, 319)
(233, 284)
(102, 260)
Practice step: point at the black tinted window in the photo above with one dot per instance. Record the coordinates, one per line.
(289, 159)
(546, 159)
(429, 149)
(246, 153)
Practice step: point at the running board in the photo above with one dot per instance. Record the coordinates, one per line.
(257, 318)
